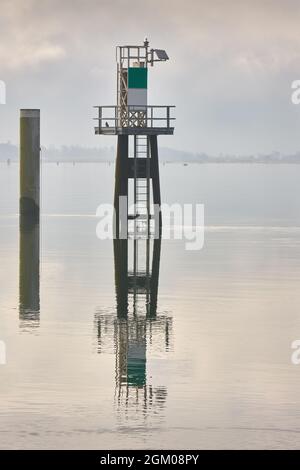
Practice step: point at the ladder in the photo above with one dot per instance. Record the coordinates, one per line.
(141, 187)
(141, 228)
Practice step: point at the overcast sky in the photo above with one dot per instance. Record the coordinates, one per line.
(231, 66)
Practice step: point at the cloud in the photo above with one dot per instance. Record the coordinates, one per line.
(236, 59)
(31, 55)
(25, 39)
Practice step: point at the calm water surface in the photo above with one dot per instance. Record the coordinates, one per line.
(210, 367)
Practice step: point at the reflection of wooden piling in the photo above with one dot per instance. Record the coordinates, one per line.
(30, 162)
(29, 271)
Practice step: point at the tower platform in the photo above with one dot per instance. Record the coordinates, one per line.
(134, 120)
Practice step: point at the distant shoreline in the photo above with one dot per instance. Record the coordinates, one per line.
(80, 154)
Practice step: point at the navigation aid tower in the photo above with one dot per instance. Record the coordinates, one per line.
(137, 186)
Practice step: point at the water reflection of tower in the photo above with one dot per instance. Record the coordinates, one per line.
(29, 273)
(138, 331)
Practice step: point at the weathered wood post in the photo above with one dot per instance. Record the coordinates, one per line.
(30, 162)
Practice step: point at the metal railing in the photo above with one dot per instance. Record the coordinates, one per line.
(114, 117)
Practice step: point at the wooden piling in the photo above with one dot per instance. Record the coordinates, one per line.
(30, 162)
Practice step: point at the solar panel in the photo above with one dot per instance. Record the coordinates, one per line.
(161, 54)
